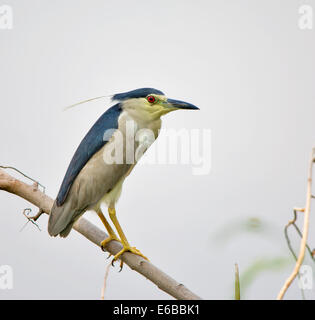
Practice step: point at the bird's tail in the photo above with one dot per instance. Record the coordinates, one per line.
(60, 220)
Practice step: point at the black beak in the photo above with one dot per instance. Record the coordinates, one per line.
(177, 104)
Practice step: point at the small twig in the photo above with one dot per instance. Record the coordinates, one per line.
(105, 281)
(307, 246)
(28, 210)
(37, 215)
(305, 230)
(36, 183)
(237, 283)
(292, 223)
(31, 219)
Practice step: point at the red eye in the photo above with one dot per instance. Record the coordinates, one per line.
(151, 99)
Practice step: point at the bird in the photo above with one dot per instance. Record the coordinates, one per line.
(95, 176)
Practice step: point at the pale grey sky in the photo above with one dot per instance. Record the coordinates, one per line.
(249, 68)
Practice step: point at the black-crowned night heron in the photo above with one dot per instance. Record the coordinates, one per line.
(93, 178)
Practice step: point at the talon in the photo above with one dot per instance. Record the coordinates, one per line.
(132, 250)
(109, 256)
(121, 265)
(106, 241)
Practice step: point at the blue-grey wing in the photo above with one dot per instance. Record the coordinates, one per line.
(91, 143)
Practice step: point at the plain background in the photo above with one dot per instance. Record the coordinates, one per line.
(249, 68)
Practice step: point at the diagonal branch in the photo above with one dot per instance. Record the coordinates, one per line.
(303, 244)
(94, 234)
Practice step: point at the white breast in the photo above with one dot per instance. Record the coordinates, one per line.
(137, 135)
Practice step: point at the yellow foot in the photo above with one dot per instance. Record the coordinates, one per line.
(129, 249)
(106, 241)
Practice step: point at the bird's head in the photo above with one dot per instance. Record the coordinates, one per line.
(150, 103)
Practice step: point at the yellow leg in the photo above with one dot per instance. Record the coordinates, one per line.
(111, 233)
(127, 247)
